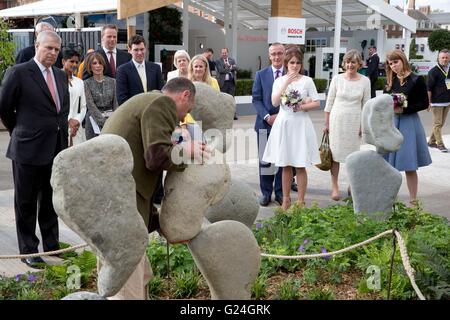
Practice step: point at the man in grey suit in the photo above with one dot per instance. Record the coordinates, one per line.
(226, 73)
(34, 107)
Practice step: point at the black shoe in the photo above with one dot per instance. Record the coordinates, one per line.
(264, 201)
(294, 186)
(36, 262)
(279, 199)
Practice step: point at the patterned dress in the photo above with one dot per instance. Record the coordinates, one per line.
(100, 101)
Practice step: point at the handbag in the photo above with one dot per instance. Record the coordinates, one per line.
(325, 153)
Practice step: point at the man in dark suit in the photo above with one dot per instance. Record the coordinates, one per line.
(137, 76)
(226, 74)
(113, 56)
(34, 106)
(269, 175)
(28, 53)
(372, 69)
(208, 54)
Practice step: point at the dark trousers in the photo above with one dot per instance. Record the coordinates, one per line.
(269, 175)
(373, 87)
(228, 87)
(33, 199)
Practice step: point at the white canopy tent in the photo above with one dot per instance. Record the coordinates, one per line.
(252, 14)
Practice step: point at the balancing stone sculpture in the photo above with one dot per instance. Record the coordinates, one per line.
(94, 194)
(375, 183)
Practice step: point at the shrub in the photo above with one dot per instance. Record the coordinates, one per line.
(321, 84)
(259, 287)
(187, 284)
(244, 87)
(244, 74)
(289, 289)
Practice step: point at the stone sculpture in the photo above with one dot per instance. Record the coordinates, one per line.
(94, 194)
(374, 183)
(239, 204)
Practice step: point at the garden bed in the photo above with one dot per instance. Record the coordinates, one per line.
(298, 231)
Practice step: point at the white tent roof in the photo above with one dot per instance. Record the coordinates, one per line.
(253, 14)
(60, 7)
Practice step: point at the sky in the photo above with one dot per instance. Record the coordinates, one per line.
(435, 4)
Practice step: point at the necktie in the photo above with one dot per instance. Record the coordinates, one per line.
(112, 63)
(51, 87)
(277, 74)
(141, 71)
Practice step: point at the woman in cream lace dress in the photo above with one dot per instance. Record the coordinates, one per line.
(347, 95)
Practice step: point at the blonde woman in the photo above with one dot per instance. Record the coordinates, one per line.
(199, 71)
(413, 152)
(181, 62)
(347, 95)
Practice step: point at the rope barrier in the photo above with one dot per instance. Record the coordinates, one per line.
(403, 253)
(43, 254)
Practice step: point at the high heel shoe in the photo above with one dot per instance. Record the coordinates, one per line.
(335, 196)
(286, 203)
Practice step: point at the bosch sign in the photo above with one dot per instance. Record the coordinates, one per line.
(295, 31)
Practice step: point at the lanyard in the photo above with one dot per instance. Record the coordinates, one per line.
(445, 73)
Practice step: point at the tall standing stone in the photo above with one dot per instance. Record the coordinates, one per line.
(94, 194)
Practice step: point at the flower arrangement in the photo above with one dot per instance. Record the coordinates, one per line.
(292, 99)
(400, 100)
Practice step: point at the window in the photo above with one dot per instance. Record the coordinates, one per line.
(312, 44)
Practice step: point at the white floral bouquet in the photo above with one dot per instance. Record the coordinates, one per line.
(400, 100)
(292, 99)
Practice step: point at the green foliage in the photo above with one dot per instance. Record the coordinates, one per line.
(413, 49)
(155, 287)
(244, 74)
(6, 49)
(244, 87)
(259, 287)
(164, 28)
(321, 294)
(321, 84)
(187, 283)
(439, 39)
(381, 82)
(311, 230)
(180, 259)
(289, 289)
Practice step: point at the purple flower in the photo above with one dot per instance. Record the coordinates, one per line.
(258, 226)
(306, 241)
(323, 250)
(18, 277)
(31, 278)
(301, 248)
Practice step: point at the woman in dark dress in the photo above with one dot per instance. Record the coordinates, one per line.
(413, 152)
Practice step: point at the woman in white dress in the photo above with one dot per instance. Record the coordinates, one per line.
(347, 95)
(181, 61)
(292, 141)
(77, 112)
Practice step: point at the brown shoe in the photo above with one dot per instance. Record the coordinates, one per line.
(442, 148)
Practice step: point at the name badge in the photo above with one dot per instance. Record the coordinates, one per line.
(447, 83)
